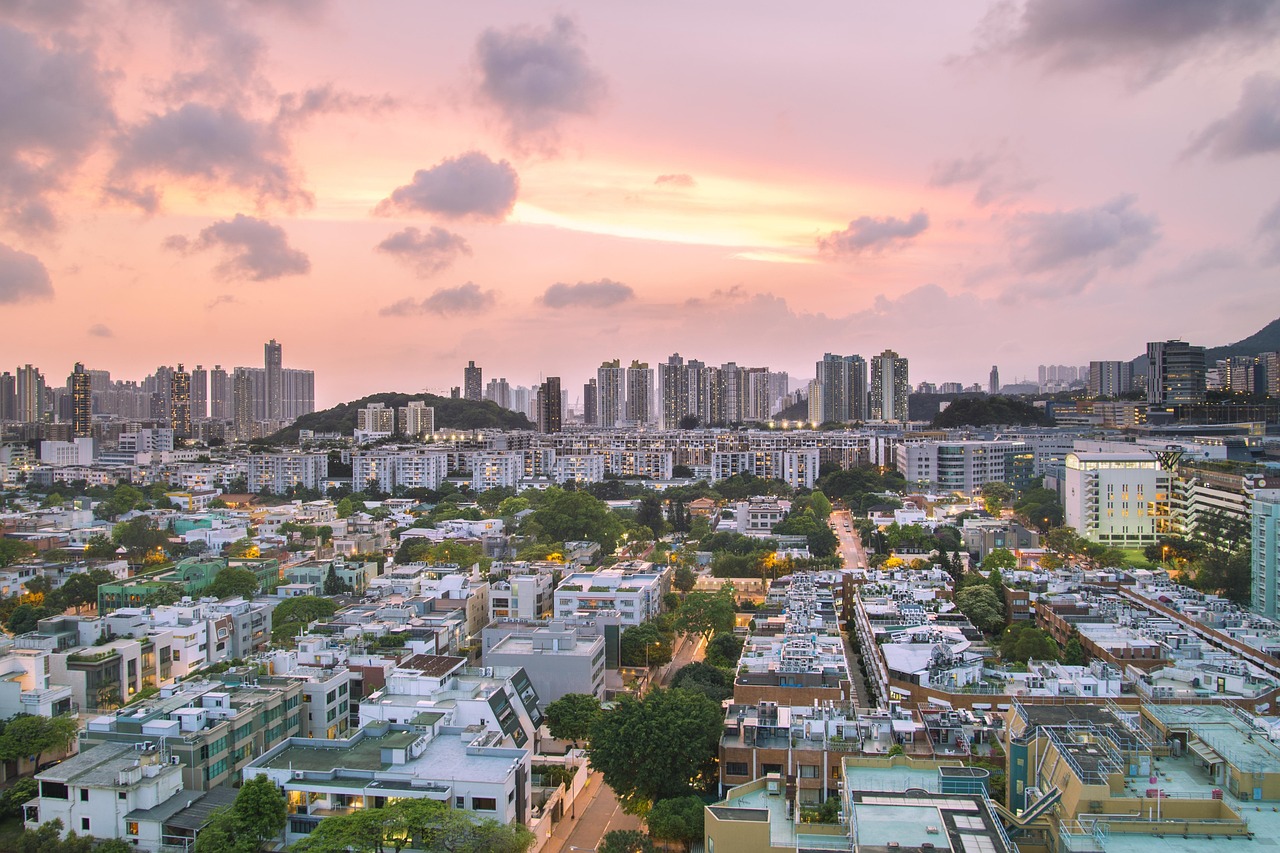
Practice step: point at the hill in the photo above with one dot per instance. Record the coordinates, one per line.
(450, 414)
(981, 411)
(1266, 339)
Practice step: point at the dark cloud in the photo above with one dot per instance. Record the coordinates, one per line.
(213, 146)
(868, 235)
(1252, 128)
(99, 330)
(1113, 234)
(22, 277)
(430, 252)
(535, 77)
(467, 186)
(997, 176)
(1153, 36)
(447, 301)
(298, 107)
(1269, 233)
(254, 249)
(53, 108)
(146, 199)
(587, 294)
(679, 180)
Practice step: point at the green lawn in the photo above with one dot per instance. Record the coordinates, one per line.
(1137, 560)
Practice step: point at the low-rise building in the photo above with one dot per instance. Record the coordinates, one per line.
(556, 660)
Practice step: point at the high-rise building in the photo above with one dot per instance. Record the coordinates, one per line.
(844, 388)
(376, 417)
(81, 402)
(417, 419)
(29, 395)
(993, 383)
(499, 391)
(1110, 378)
(890, 387)
(1176, 374)
(199, 393)
(472, 381)
(219, 394)
(273, 363)
(8, 397)
(245, 385)
(590, 416)
(1265, 552)
(734, 391)
(611, 393)
(550, 405)
(299, 393)
(759, 401)
(180, 402)
(639, 403)
(673, 379)
(704, 392)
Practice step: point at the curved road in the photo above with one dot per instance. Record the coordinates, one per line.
(851, 549)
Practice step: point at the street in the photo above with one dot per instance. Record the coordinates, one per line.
(601, 814)
(686, 652)
(841, 522)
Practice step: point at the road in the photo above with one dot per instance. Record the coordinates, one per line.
(855, 557)
(687, 652)
(601, 814)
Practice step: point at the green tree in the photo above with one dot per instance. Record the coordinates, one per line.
(982, 606)
(820, 505)
(650, 514)
(140, 538)
(702, 677)
(16, 795)
(645, 644)
(1073, 651)
(27, 735)
(1064, 541)
(1039, 508)
(628, 840)
(724, 650)
(572, 715)
(14, 551)
(995, 494)
(255, 818)
(568, 516)
(1000, 559)
(1023, 641)
(25, 618)
(706, 614)
(81, 589)
(99, 547)
(660, 747)
(684, 578)
(679, 819)
(232, 581)
(294, 614)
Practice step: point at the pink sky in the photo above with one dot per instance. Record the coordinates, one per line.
(966, 182)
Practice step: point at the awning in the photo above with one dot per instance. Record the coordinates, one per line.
(1204, 752)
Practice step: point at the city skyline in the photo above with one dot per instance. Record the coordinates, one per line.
(548, 186)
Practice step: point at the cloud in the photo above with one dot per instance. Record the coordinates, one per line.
(468, 186)
(55, 107)
(871, 236)
(997, 176)
(1113, 234)
(681, 180)
(1269, 233)
(718, 297)
(429, 253)
(1151, 36)
(213, 146)
(98, 330)
(446, 301)
(22, 277)
(254, 248)
(535, 77)
(587, 294)
(222, 299)
(1252, 128)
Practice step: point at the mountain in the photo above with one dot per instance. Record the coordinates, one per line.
(1265, 340)
(450, 414)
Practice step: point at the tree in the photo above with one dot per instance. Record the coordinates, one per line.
(650, 514)
(572, 715)
(684, 578)
(81, 589)
(25, 618)
(1064, 541)
(1000, 558)
(140, 538)
(724, 650)
(706, 614)
(660, 747)
(633, 840)
(1073, 651)
(995, 494)
(1039, 508)
(333, 585)
(1023, 641)
(256, 817)
(679, 819)
(419, 823)
(14, 551)
(26, 735)
(21, 791)
(645, 645)
(565, 516)
(232, 581)
(294, 614)
(241, 548)
(983, 607)
(702, 677)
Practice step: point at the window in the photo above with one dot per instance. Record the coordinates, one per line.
(808, 771)
(131, 827)
(735, 768)
(84, 795)
(484, 804)
(459, 802)
(122, 796)
(84, 824)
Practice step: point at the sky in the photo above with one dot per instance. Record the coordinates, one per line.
(392, 189)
